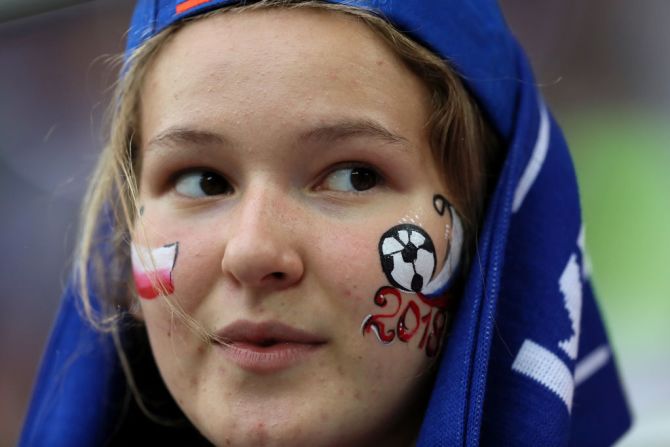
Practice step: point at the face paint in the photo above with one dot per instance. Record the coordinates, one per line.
(442, 281)
(407, 219)
(408, 260)
(440, 203)
(409, 322)
(408, 257)
(152, 269)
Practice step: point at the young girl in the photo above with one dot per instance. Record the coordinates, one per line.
(290, 210)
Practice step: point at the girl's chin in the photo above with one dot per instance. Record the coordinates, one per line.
(268, 431)
(327, 420)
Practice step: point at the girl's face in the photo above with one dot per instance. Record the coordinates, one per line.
(277, 148)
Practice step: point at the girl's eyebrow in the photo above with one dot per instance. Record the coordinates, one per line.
(350, 128)
(326, 133)
(178, 136)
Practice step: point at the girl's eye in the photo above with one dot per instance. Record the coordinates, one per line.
(352, 179)
(196, 184)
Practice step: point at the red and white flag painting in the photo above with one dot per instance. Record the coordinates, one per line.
(152, 269)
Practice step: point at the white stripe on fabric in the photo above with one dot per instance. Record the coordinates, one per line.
(591, 363)
(545, 367)
(587, 266)
(570, 284)
(536, 160)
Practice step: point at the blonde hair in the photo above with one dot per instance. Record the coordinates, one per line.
(462, 143)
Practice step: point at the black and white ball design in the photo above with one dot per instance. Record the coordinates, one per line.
(407, 256)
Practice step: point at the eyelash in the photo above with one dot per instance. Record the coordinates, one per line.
(370, 177)
(188, 178)
(379, 179)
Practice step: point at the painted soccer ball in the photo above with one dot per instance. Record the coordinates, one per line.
(407, 256)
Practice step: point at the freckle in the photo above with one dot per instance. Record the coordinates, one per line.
(357, 395)
(360, 357)
(169, 332)
(340, 371)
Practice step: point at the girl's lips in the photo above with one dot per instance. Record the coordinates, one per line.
(269, 359)
(266, 347)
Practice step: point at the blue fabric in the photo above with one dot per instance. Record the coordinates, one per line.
(79, 389)
(528, 361)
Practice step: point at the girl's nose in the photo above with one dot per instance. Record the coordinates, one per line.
(261, 252)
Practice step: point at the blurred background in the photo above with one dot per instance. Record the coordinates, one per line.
(603, 66)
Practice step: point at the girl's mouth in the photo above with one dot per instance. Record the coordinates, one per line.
(266, 347)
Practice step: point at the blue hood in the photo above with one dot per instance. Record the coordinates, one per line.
(528, 361)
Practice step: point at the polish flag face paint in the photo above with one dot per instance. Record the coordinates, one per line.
(152, 269)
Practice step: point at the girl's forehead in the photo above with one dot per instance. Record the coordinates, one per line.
(280, 66)
(307, 40)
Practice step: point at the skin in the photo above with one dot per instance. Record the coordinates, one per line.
(274, 87)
